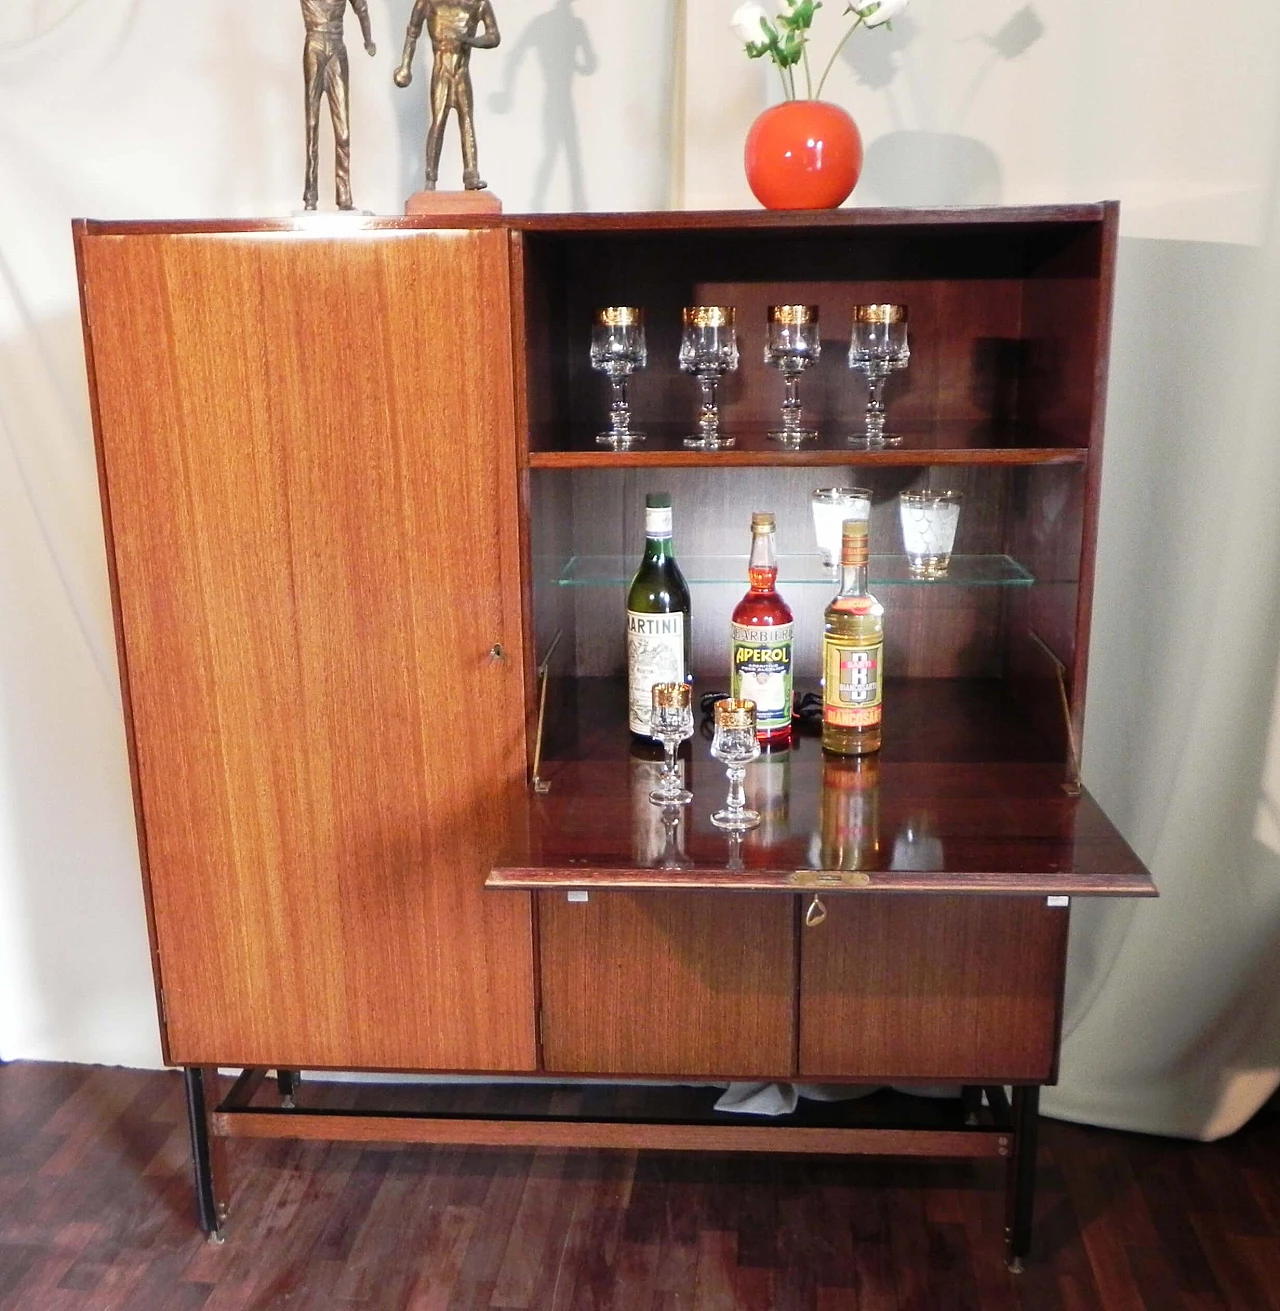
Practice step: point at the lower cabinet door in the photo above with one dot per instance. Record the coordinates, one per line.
(668, 983)
(947, 988)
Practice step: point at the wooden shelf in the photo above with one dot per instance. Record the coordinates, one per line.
(922, 445)
(966, 798)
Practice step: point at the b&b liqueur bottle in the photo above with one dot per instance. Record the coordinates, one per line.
(763, 630)
(657, 616)
(852, 655)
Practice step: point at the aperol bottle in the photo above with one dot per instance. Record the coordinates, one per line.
(763, 629)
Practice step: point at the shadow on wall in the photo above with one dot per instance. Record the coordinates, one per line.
(559, 41)
(1172, 1019)
(80, 968)
(934, 163)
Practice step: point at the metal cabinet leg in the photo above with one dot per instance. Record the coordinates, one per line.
(971, 1101)
(201, 1154)
(287, 1082)
(1021, 1186)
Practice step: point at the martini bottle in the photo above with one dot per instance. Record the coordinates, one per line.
(657, 616)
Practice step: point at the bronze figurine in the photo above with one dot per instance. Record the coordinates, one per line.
(455, 28)
(324, 66)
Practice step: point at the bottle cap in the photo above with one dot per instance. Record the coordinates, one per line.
(853, 543)
(763, 519)
(658, 501)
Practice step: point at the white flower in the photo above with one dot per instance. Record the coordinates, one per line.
(751, 23)
(875, 14)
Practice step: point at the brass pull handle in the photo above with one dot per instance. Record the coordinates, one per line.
(496, 652)
(816, 913)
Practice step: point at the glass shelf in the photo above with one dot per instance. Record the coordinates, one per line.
(797, 570)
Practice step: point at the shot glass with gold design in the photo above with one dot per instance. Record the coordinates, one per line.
(671, 723)
(735, 746)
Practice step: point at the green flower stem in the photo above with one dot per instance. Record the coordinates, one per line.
(835, 54)
(808, 76)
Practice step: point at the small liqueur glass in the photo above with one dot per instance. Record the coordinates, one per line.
(671, 723)
(735, 745)
(618, 350)
(792, 345)
(929, 521)
(831, 506)
(709, 350)
(877, 348)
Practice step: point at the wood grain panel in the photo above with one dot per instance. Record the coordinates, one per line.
(309, 468)
(667, 984)
(954, 988)
(609, 1136)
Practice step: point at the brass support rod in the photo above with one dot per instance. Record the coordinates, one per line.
(540, 784)
(1072, 785)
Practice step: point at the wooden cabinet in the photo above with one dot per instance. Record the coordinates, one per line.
(309, 478)
(369, 565)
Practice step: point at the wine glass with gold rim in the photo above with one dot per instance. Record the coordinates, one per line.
(617, 350)
(709, 350)
(793, 344)
(877, 348)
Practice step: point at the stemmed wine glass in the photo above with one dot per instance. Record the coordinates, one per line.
(792, 345)
(671, 723)
(618, 350)
(709, 350)
(878, 347)
(736, 746)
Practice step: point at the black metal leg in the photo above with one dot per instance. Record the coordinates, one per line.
(198, 1123)
(287, 1082)
(1021, 1189)
(971, 1100)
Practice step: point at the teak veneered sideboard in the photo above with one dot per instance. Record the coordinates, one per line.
(368, 564)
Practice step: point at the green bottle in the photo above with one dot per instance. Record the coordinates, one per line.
(657, 616)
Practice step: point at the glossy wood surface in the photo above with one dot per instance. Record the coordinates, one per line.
(999, 220)
(948, 988)
(310, 503)
(667, 984)
(966, 798)
(96, 1215)
(664, 449)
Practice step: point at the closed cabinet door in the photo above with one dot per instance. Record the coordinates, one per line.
(308, 459)
(937, 988)
(668, 983)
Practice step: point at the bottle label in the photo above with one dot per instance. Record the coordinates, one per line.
(852, 683)
(657, 521)
(655, 654)
(762, 672)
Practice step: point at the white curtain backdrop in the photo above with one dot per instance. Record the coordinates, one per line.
(152, 108)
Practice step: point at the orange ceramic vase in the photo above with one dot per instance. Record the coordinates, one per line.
(803, 154)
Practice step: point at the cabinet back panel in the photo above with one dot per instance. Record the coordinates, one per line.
(308, 456)
(992, 314)
(932, 632)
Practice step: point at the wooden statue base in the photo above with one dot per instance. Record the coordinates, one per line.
(453, 202)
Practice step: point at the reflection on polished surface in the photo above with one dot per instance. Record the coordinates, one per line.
(965, 795)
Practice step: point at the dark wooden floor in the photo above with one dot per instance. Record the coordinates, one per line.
(96, 1212)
